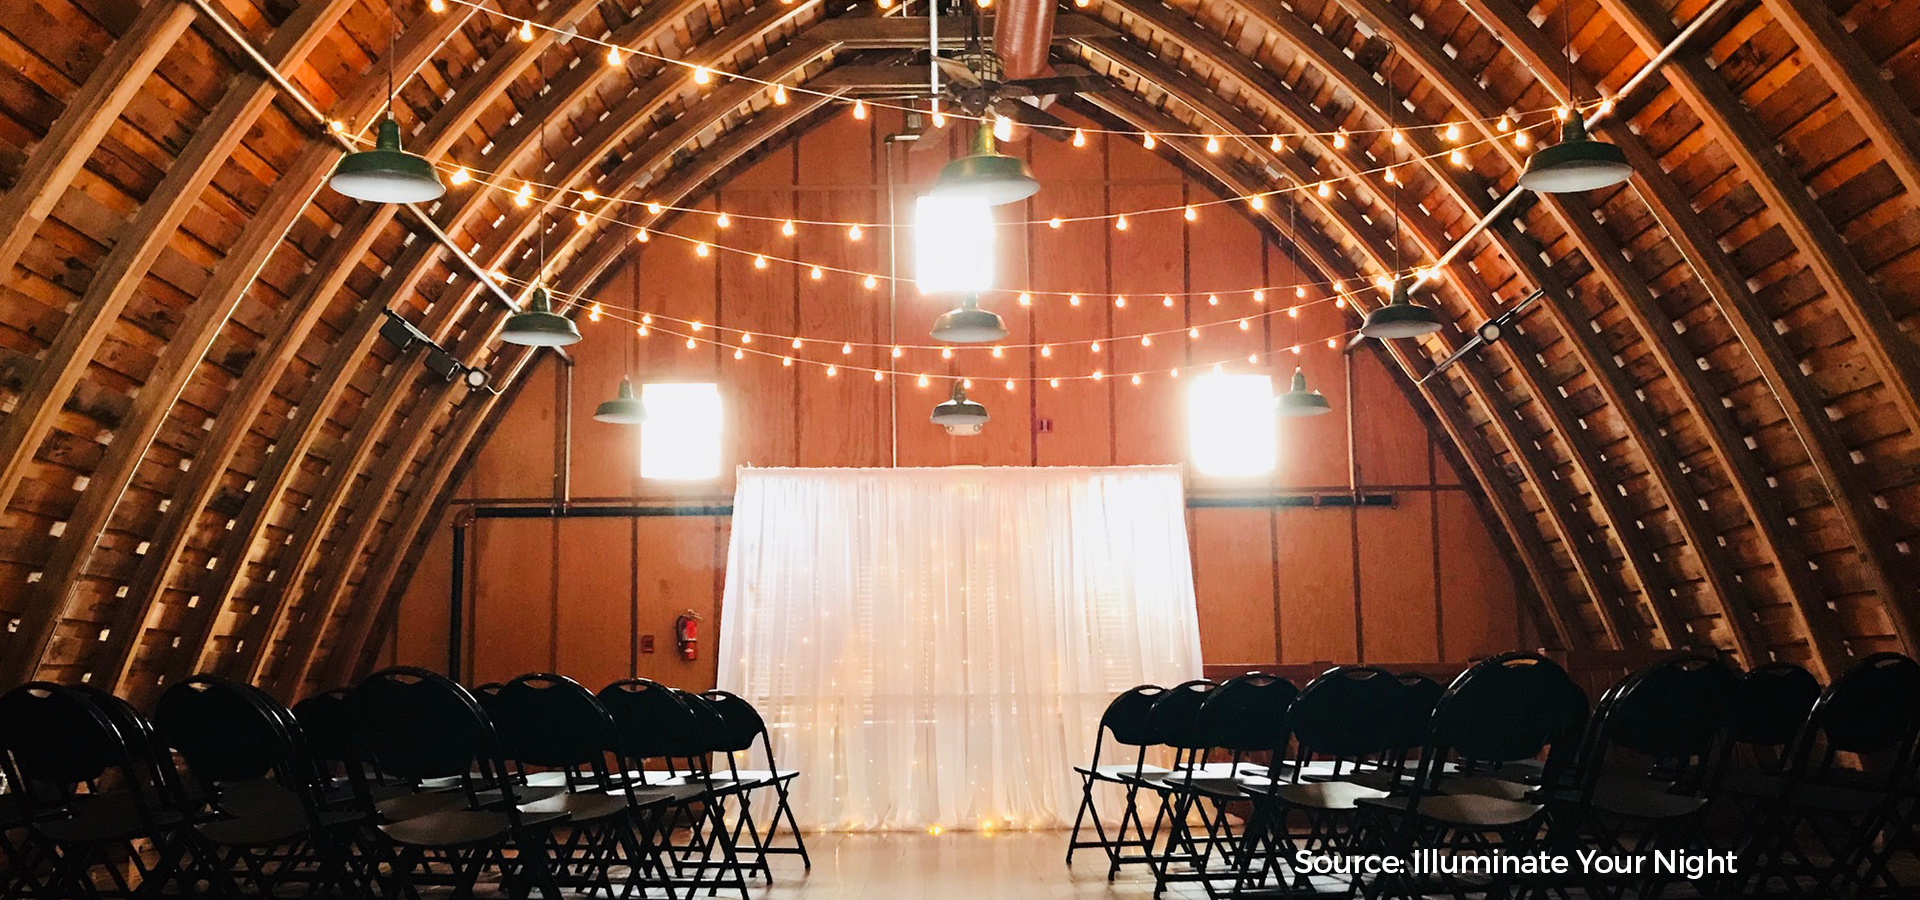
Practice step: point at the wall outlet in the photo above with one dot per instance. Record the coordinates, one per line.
(646, 643)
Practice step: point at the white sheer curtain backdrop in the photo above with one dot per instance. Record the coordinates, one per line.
(935, 646)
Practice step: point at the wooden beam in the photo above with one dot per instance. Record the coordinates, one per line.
(1879, 109)
(679, 190)
(1471, 196)
(74, 135)
(1535, 556)
(309, 631)
(450, 124)
(1591, 569)
(910, 32)
(119, 275)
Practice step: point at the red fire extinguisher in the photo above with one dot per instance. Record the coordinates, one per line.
(686, 634)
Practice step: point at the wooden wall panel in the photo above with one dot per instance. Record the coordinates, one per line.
(1276, 584)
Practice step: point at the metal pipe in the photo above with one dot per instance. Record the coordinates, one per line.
(1022, 33)
(300, 98)
(1639, 78)
(893, 297)
(456, 601)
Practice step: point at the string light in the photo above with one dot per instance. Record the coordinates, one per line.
(580, 219)
(1190, 215)
(654, 209)
(1009, 384)
(1079, 137)
(817, 273)
(723, 220)
(779, 95)
(939, 120)
(1452, 133)
(1397, 138)
(1259, 296)
(855, 233)
(593, 313)
(1120, 301)
(797, 343)
(1213, 300)
(1193, 333)
(759, 261)
(438, 6)
(524, 196)
(1340, 139)
(1002, 128)
(871, 282)
(1167, 301)
(526, 30)
(613, 56)
(1504, 124)
(1073, 300)
(832, 370)
(460, 176)
(1026, 299)
(702, 74)
(1054, 222)
(1146, 340)
(701, 250)
(1147, 141)
(739, 353)
(1520, 139)
(999, 352)
(787, 229)
(1096, 346)
(1324, 190)
(1053, 382)
(786, 361)
(1213, 144)
(590, 195)
(1458, 158)
(1120, 224)
(846, 349)
(641, 236)
(1274, 144)
(1257, 202)
(860, 109)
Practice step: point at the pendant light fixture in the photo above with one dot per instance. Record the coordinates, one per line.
(986, 175)
(1298, 402)
(969, 324)
(387, 174)
(1400, 317)
(958, 415)
(623, 409)
(1578, 162)
(537, 325)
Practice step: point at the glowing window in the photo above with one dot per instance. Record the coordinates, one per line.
(1230, 424)
(953, 245)
(680, 440)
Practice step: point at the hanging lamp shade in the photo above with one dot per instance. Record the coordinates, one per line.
(1577, 163)
(1300, 402)
(958, 414)
(1401, 318)
(969, 324)
(386, 174)
(538, 325)
(623, 409)
(985, 175)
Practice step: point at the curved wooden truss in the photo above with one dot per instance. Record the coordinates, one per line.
(1707, 435)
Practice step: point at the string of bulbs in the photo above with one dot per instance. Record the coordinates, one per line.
(524, 29)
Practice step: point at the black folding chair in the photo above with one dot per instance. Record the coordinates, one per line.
(422, 727)
(656, 722)
(744, 728)
(1125, 720)
(1505, 709)
(551, 722)
(1833, 825)
(61, 752)
(1246, 716)
(1656, 750)
(242, 750)
(1175, 719)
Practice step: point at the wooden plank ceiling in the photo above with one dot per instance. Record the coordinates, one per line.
(1706, 436)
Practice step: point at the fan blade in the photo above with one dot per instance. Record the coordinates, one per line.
(1032, 116)
(1353, 342)
(955, 70)
(1471, 345)
(1062, 84)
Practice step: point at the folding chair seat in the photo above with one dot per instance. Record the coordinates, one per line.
(60, 750)
(420, 726)
(745, 728)
(656, 722)
(551, 722)
(1833, 826)
(243, 750)
(1125, 721)
(1505, 709)
(1246, 717)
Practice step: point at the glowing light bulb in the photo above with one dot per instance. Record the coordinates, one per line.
(641, 236)
(593, 313)
(1054, 222)
(1190, 214)
(1173, 373)
(702, 74)
(1390, 176)
(526, 30)
(1213, 300)
(923, 381)
(1324, 190)
(939, 120)
(786, 361)
(701, 249)
(1245, 325)
(1519, 139)
(739, 353)
(1257, 201)
(1046, 350)
(999, 353)
(1606, 105)
(779, 95)
(871, 282)
(723, 220)
(1274, 144)
(1146, 340)
(642, 331)
(1009, 384)
(1340, 140)
(1136, 381)
(1053, 382)
(1504, 124)
(697, 326)
(1073, 299)
(1002, 128)
(1098, 374)
(746, 337)
(1167, 301)
(846, 349)
(897, 352)
(1453, 131)
(1120, 224)
(816, 273)
(1147, 141)
(1457, 157)
(1332, 343)
(1293, 312)
(646, 318)
(524, 196)
(1120, 301)
(1300, 292)
(854, 232)
(786, 228)
(796, 343)
(879, 375)
(438, 6)
(654, 208)
(1259, 296)
(691, 343)
(946, 352)
(1096, 346)
(1193, 333)
(1079, 138)
(1396, 138)
(1213, 144)
(461, 176)
(860, 109)
(759, 261)
(580, 219)
(832, 371)
(1026, 299)
(613, 56)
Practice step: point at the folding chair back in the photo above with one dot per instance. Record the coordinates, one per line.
(1772, 704)
(741, 725)
(54, 739)
(221, 731)
(1675, 712)
(420, 726)
(1247, 714)
(553, 722)
(1507, 709)
(1414, 709)
(1175, 717)
(1872, 712)
(654, 722)
(1346, 714)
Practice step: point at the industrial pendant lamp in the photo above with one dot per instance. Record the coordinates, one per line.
(623, 409)
(958, 415)
(969, 324)
(537, 325)
(1400, 318)
(387, 174)
(1577, 163)
(985, 175)
(1299, 402)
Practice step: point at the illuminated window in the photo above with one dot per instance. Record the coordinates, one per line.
(953, 245)
(680, 440)
(1230, 424)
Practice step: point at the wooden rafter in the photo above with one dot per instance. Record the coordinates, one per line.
(1874, 104)
(119, 276)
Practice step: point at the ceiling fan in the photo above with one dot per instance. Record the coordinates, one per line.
(976, 84)
(1488, 332)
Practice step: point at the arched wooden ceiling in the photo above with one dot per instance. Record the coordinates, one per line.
(1706, 435)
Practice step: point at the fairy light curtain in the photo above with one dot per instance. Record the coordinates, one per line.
(934, 647)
